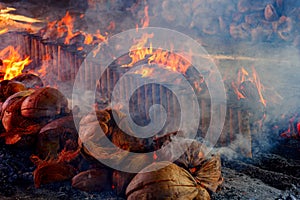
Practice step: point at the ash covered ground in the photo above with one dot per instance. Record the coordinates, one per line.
(265, 176)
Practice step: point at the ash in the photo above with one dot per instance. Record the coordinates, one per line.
(265, 176)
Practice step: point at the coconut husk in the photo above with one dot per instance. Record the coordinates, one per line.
(93, 180)
(209, 174)
(169, 182)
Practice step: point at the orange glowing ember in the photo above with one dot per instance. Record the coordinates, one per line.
(293, 130)
(13, 64)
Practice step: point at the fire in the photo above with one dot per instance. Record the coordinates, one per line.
(172, 61)
(259, 86)
(138, 52)
(145, 71)
(293, 130)
(65, 28)
(66, 24)
(168, 59)
(13, 64)
(146, 20)
(42, 71)
(242, 76)
(5, 30)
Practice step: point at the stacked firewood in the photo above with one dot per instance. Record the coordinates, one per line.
(241, 20)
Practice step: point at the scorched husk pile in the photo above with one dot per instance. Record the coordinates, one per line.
(38, 118)
(41, 155)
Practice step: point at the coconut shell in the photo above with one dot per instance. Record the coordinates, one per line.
(170, 182)
(3, 85)
(15, 125)
(14, 97)
(134, 162)
(103, 143)
(52, 171)
(209, 174)
(29, 80)
(45, 102)
(93, 180)
(190, 153)
(13, 87)
(57, 135)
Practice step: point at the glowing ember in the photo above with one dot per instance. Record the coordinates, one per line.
(155, 156)
(293, 130)
(13, 64)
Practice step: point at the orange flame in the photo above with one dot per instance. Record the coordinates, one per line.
(5, 30)
(242, 76)
(169, 60)
(145, 71)
(66, 24)
(259, 86)
(13, 64)
(65, 28)
(138, 52)
(146, 20)
(42, 71)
